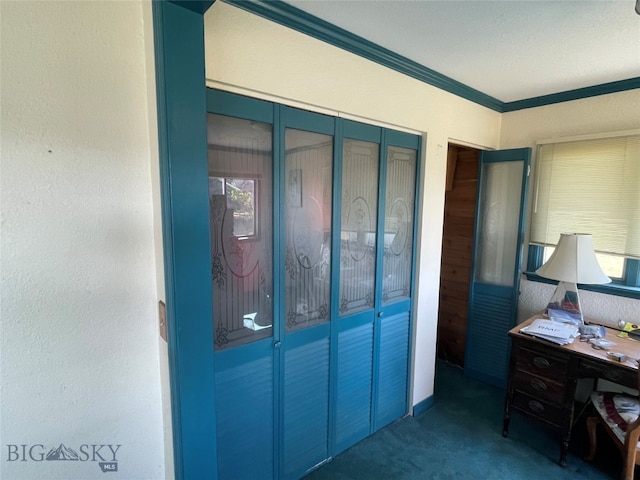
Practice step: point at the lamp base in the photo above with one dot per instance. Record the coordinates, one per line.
(564, 305)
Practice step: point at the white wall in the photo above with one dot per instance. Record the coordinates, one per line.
(79, 342)
(589, 116)
(250, 55)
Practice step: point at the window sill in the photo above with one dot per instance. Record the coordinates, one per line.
(609, 288)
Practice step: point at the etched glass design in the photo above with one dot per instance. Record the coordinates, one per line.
(358, 232)
(240, 209)
(308, 167)
(499, 211)
(398, 224)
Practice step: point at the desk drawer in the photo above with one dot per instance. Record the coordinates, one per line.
(608, 371)
(541, 362)
(539, 387)
(538, 408)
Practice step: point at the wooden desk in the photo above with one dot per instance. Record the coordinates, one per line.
(543, 377)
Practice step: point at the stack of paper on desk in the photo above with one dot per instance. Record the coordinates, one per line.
(556, 332)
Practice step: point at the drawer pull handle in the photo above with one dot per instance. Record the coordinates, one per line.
(536, 406)
(614, 375)
(541, 362)
(538, 385)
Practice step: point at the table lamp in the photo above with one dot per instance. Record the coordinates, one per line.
(572, 262)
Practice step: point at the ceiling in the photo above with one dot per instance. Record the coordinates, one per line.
(510, 49)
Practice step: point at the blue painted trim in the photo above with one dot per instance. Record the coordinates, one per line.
(403, 139)
(361, 131)
(632, 272)
(423, 406)
(355, 320)
(185, 220)
(630, 288)
(232, 357)
(231, 104)
(285, 14)
(382, 188)
(396, 307)
(414, 261)
(608, 289)
(577, 94)
(197, 6)
(310, 121)
(289, 16)
(163, 154)
(534, 257)
(300, 338)
(525, 154)
(336, 233)
(279, 244)
(614, 289)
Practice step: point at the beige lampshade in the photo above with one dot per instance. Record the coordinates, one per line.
(574, 260)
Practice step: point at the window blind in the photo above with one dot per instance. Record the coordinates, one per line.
(589, 186)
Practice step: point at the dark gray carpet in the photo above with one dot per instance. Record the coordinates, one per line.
(460, 437)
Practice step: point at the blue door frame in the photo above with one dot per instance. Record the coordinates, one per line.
(180, 73)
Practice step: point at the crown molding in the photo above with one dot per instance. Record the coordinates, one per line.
(288, 16)
(296, 19)
(577, 94)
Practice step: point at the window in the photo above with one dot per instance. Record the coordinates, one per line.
(591, 186)
(240, 194)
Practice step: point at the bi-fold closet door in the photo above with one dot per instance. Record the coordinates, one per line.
(312, 236)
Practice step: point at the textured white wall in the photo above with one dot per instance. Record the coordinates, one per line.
(250, 55)
(79, 343)
(589, 116)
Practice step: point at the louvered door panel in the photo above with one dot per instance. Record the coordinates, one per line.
(306, 405)
(392, 369)
(244, 403)
(355, 370)
(493, 316)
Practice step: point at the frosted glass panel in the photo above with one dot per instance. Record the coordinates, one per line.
(398, 224)
(308, 164)
(358, 233)
(499, 209)
(240, 201)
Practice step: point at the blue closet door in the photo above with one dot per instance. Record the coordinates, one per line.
(240, 176)
(311, 239)
(359, 197)
(396, 263)
(393, 367)
(497, 261)
(308, 178)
